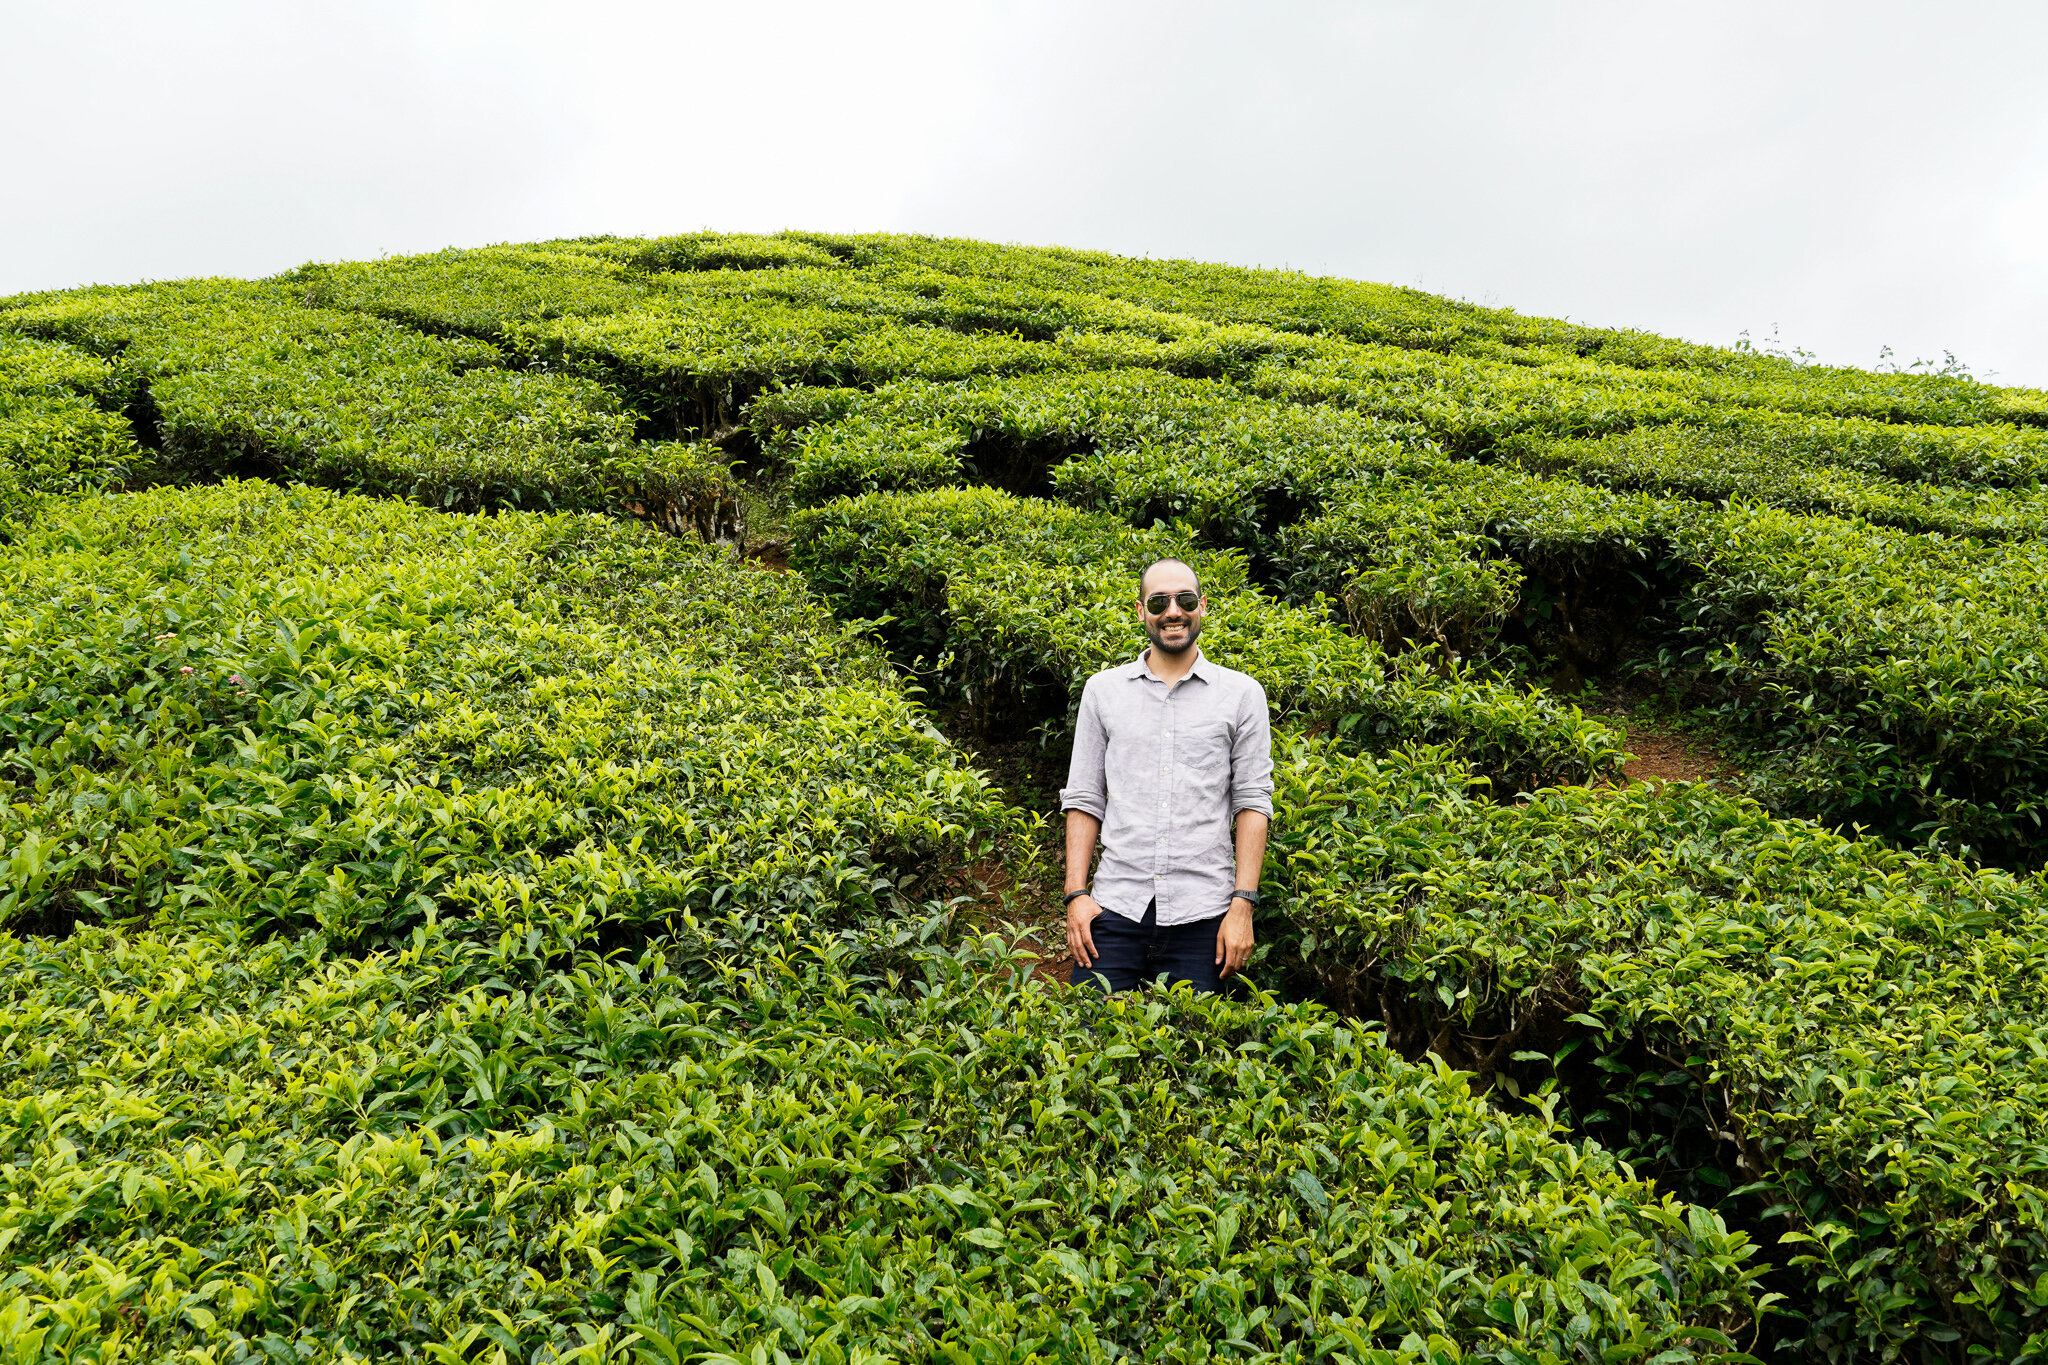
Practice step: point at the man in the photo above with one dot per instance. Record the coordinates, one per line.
(1172, 756)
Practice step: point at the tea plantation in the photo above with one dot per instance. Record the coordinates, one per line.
(500, 862)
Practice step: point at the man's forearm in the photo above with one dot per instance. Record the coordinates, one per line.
(1251, 848)
(1082, 831)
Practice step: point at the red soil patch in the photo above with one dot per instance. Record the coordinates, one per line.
(1665, 756)
(1662, 753)
(1053, 968)
(770, 554)
(999, 897)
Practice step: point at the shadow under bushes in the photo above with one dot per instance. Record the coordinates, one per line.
(1021, 465)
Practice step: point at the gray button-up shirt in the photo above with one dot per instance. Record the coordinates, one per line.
(1166, 769)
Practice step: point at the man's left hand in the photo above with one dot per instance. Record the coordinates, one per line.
(1234, 938)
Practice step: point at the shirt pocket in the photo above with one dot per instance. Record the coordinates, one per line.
(1205, 753)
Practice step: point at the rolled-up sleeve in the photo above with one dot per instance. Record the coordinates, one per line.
(1087, 788)
(1251, 755)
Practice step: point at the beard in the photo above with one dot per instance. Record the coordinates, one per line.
(1184, 642)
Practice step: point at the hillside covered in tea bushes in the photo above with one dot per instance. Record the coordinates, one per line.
(513, 850)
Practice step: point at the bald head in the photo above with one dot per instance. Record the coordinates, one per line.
(1171, 574)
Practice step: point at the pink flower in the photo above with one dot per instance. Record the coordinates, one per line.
(235, 678)
(186, 669)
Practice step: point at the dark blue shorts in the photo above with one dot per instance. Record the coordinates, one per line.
(1128, 953)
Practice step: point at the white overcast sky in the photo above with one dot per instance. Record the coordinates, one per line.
(1856, 175)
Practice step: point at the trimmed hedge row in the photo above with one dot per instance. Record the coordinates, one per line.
(816, 313)
(751, 1148)
(707, 343)
(243, 379)
(1148, 445)
(482, 754)
(1088, 330)
(481, 291)
(708, 251)
(1992, 454)
(314, 712)
(61, 430)
(1979, 481)
(694, 362)
(475, 293)
(692, 336)
(1280, 300)
(1471, 404)
(1374, 316)
(1012, 604)
(935, 298)
(1884, 678)
(1472, 555)
(1472, 399)
(1853, 1031)
(1902, 679)
(1459, 554)
(488, 750)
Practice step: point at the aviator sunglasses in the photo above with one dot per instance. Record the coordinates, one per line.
(1187, 599)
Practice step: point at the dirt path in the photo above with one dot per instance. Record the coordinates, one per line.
(1668, 756)
(1664, 751)
(1017, 892)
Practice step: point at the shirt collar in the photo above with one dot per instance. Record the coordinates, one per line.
(1139, 668)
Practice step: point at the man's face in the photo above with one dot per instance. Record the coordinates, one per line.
(1175, 627)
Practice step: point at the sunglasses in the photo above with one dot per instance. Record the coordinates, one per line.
(1187, 599)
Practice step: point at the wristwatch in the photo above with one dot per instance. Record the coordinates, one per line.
(1243, 895)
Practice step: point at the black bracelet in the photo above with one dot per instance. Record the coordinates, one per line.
(1073, 896)
(1243, 895)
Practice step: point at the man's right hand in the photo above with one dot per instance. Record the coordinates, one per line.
(1081, 915)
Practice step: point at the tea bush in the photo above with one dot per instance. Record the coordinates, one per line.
(529, 936)
(1470, 404)
(787, 309)
(755, 1149)
(313, 712)
(711, 251)
(475, 293)
(242, 379)
(467, 755)
(1891, 398)
(695, 361)
(1089, 329)
(1279, 300)
(1013, 604)
(1854, 1030)
(1981, 482)
(1373, 316)
(1149, 445)
(933, 298)
(1456, 554)
(57, 432)
(1992, 454)
(1898, 678)
(1885, 678)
